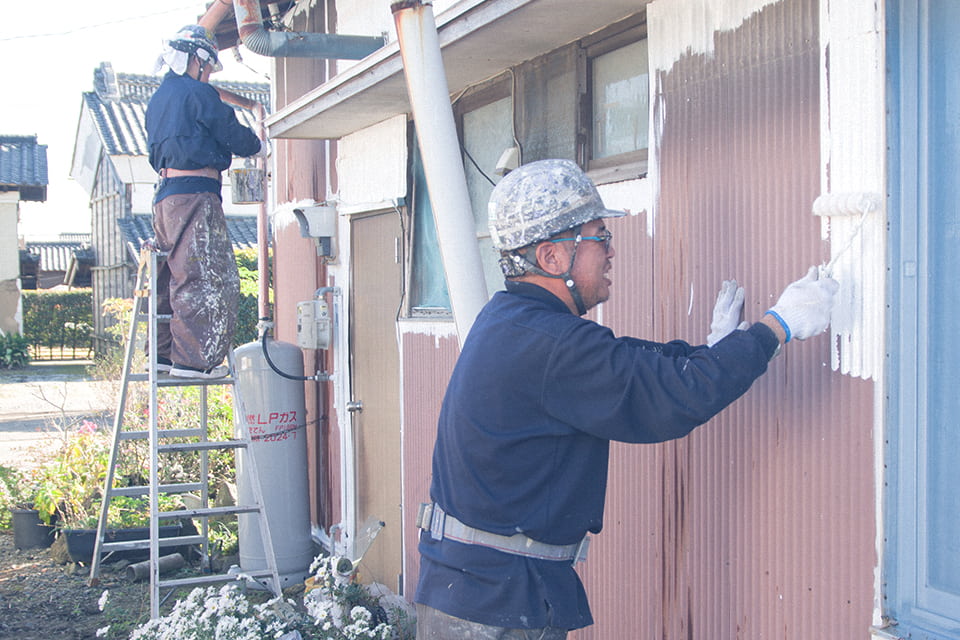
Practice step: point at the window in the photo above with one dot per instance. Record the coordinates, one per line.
(618, 116)
(486, 123)
(922, 550)
(428, 285)
(587, 101)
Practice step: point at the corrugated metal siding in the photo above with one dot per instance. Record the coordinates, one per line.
(761, 523)
(423, 389)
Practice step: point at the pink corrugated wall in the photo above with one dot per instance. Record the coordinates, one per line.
(427, 364)
(761, 523)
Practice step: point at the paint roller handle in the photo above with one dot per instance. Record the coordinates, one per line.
(804, 307)
(726, 312)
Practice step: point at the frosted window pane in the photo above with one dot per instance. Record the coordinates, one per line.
(620, 101)
(487, 132)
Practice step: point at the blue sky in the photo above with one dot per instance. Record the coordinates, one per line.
(49, 59)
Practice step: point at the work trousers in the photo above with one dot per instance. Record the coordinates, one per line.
(198, 283)
(437, 625)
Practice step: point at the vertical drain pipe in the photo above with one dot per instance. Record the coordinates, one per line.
(442, 162)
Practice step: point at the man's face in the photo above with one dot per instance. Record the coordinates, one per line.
(592, 264)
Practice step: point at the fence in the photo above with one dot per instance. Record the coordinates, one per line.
(58, 324)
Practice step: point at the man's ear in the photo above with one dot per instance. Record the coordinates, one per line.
(549, 258)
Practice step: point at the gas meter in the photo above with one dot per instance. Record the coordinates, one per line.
(314, 325)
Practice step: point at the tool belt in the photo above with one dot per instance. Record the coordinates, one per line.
(206, 172)
(431, 517)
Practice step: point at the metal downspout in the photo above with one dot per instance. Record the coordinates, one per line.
(442, 162)
(288, 44)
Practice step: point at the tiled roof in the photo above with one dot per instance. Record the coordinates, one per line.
(23, 167)
(118, 105)
(139, 227)
(56, 255)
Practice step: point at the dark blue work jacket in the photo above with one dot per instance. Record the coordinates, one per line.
(523, 438)
(190, 127)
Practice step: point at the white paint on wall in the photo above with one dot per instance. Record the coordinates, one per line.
(688, 27)
(438, 329)
(632, 196)
(372, 166)
(852, 149)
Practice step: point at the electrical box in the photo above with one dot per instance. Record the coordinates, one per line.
(314, 325)
(320, 223)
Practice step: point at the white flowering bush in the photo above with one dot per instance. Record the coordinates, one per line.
(335, 607)
(343, 609)
(220, 613)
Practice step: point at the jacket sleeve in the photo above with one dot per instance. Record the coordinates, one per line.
(628, 390)
(221, 121)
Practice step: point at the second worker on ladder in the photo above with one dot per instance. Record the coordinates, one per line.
(192, 136)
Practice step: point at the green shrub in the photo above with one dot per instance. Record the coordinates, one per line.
(56, 319)
(14, 351)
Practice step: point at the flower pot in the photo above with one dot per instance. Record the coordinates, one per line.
(80, 542)
(29, 532)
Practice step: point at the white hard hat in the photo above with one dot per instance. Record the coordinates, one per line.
(539, 200)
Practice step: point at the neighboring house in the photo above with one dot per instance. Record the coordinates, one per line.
(111, 163)
(47, 264)
(820, 505)
(23, 177)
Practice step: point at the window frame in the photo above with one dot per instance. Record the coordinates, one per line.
(623, 166)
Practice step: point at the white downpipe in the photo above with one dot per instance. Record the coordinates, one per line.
(442, 162)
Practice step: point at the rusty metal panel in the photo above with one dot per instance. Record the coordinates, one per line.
(761, 523)
(428, 359)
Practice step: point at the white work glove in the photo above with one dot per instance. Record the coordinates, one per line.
(726, 312)
(804, 307)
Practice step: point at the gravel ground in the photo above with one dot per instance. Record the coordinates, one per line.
(43, 594)
(44, 598)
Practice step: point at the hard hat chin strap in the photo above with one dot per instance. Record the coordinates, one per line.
(566, 276)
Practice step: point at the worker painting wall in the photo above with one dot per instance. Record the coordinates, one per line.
(763, 522)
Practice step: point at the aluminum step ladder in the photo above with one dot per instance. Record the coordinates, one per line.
(145, 312)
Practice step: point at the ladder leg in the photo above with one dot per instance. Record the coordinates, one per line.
(118, 422)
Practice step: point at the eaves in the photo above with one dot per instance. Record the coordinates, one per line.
(478, 39)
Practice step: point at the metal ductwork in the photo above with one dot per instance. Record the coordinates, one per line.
(288, 44)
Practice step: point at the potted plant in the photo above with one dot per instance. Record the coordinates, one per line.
(17, 512)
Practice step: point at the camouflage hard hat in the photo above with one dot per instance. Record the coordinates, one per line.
(195, 39)
(539, 200)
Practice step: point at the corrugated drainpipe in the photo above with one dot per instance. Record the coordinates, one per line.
(288, 44)
(442, 162)
(263, 239)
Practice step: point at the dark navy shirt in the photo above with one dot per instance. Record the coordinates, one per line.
(190, 127)
(523, 438)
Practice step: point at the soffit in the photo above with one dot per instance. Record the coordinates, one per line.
(478, 39)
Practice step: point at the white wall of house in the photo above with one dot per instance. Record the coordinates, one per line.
(10, 320)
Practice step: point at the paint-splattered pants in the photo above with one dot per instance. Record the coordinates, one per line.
(198, 284)
(436, 625)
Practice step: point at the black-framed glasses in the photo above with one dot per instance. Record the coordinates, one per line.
(604, 236)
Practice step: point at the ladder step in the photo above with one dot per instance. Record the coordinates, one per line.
(211, 445)
(166, 380)
(183, 487)
(209, 512)
(209, 579)
(129, 545)
(162, 433)
(172, 381)
(161, 317)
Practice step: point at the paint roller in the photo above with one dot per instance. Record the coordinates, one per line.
(846, 204)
